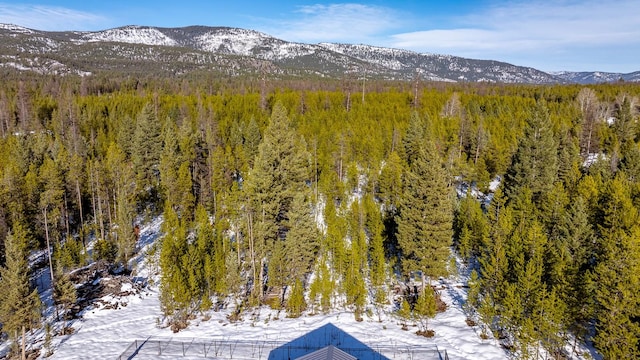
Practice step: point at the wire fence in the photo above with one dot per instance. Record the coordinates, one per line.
(155, 348)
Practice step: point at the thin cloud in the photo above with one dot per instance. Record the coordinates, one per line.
(50, 18)
(336, 23)
(527, 28)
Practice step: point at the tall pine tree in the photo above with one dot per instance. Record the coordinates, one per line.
(281, 170)
(425, 218)
(535, 162)
(19, 305)
(617, 274)
(145, 153)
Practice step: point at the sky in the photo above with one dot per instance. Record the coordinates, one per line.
(549, 35)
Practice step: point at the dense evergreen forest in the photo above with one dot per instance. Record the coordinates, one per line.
(308, 195)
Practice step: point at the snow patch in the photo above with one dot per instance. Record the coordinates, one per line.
(493, 185)
(16, 28)
(132, 35)
(40, 65)
(592, 158)
(233, 41)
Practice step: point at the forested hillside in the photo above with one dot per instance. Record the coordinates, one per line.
(308, 195)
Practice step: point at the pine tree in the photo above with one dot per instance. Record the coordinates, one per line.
(13, 192)
(577, 231)
(219, 263)
(64, 291)
(528, 267)
(511, 310)
(425, 307)
(550, 318)
(353, 177)
(176, 292)
(336, 232)
(19, 305)
(535, 162)
(169, 162)
(278, 271)
(252, 139)
(623, 131)
(617, 269)
(569, 160)
(630, 163)
(302, 239)
(233, 279)
(425, 216)
(375, 229)
(557, 258)
(471, 228)
(50, 204)
(185, 201)
(405, 313)
(70, 254)
(414, 138)
(145, 152)
(617, 292)
(354, 280)
(123, 178)
(473, 294)
(296, 303)
(47, 340)
(487, 313)
(390, 184)
(494, 264)
(205, 250)
(323, 285)
(77, 178)
(99, 193)
(281, 171)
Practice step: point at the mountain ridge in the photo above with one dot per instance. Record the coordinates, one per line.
(235, 51)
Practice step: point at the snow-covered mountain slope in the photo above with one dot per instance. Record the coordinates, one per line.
(594, 77)
(231, 41)
(132, 35)
(39, 65)
(249, 51)
(16, 28)
(443, 67)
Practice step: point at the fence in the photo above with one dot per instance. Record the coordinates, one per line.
(186, 349)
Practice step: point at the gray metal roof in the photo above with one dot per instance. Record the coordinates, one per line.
(328, 353)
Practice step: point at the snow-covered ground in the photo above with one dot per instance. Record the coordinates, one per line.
(106, 334)
(134, 329)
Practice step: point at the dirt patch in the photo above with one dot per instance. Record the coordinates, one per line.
(426, 333)
(102, 284)
(441, 306)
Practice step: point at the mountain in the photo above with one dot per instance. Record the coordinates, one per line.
(234, 51)
(595, 77)
(443, 67)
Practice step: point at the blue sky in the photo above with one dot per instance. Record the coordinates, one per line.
(549, 35)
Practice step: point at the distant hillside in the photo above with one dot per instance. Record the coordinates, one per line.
(595, 77)
(233, 51)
